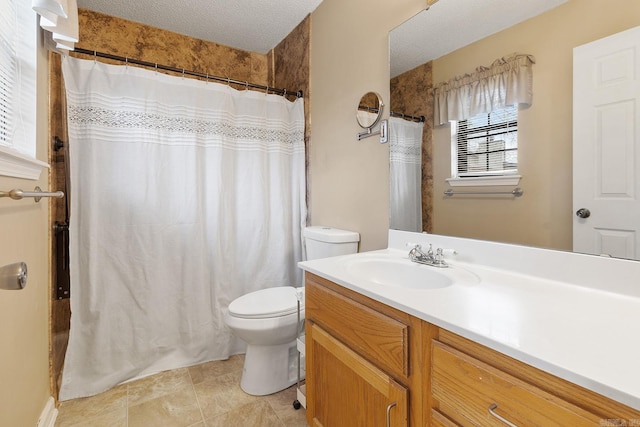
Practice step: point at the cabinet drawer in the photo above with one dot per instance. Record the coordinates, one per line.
(439, 420)
(376, 336)
(465, 388)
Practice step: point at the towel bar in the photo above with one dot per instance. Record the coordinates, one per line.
(37, 194)
(516, 192)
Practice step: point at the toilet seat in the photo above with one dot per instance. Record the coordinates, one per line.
(266, 303)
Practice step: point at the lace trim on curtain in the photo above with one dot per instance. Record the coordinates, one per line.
(405, 141)
(259, 137)
(403, 153)
(508, 81)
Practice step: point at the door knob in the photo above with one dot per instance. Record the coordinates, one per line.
(13, 276)
(583, 213)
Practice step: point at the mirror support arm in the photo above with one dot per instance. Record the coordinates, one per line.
(382, 132)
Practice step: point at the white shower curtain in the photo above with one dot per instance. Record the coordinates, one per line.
(186, 195)
(405, 175)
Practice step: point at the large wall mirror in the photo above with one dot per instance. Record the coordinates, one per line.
(453, 38)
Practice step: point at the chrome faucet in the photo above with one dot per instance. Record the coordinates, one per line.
(429, 258)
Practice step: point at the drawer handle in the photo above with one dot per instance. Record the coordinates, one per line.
(501, 418)
(391, 405)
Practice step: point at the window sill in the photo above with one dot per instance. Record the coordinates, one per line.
(18, 165)
(484, 181)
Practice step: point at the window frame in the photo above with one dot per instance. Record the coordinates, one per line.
(18, 152)
(480, 178)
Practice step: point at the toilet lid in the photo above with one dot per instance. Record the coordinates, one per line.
(270, 302)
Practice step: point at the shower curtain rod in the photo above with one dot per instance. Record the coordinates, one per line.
(407, 117)
(392, 113)
(157, 66)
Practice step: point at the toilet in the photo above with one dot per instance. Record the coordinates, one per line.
(267, 320)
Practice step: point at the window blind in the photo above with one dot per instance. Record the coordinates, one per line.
(8, 71)
(18, 34)
(487, 144)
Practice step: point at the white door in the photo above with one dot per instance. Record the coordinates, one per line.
(606, 146)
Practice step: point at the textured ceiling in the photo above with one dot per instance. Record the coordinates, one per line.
(259, 25)
(253, 25)
(451, 24)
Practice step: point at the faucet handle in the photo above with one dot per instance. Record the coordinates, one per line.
(416, 253)
(438, 260)
(415, 248)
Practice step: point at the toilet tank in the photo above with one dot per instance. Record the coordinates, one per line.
(324, 242)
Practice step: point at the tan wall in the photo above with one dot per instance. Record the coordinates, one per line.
(543, 215)
(24, 331)
(349, 179)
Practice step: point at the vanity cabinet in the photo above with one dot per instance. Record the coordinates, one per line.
(363, 361)
(363, 356)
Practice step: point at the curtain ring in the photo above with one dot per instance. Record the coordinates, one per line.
(266, 91)
(95, 56)
(228, 81)
(246, 85)
(183, 73)
(156, 68)
(126, 61)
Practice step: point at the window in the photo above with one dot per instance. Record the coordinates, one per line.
(486, 146)
(18, 90)
(7, 69)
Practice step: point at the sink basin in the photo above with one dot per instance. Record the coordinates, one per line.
(402, 273)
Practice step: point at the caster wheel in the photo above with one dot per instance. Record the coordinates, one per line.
(296, 404)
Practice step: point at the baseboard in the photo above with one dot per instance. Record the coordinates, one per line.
(49, 414)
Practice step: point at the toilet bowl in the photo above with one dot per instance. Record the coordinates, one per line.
(269, 322)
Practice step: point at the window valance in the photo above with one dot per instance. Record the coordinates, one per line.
(60, 18)
(508, 81)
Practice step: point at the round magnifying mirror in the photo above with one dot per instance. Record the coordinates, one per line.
(369, 110)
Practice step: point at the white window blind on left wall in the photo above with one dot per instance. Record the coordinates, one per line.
(8, 68)
(18, 34)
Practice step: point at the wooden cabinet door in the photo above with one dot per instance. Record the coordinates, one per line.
(344, 389)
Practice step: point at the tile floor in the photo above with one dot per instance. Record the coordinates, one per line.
(206, 395)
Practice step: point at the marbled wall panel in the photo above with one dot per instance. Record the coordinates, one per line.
(291, 71)
(291, 59)
(121, 37)
(412, 94)
(60, 312)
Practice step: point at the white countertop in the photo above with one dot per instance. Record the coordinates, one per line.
(588, 335)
